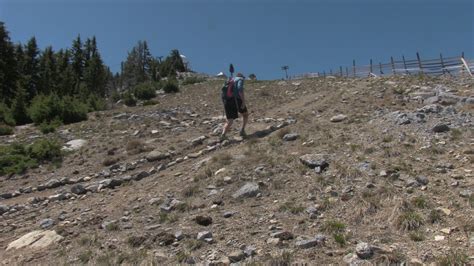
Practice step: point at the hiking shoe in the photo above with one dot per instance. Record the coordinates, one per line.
(242, 133)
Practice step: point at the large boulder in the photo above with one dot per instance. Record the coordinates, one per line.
(247, 191)
(157, 156)
(35, 240)
(74, 145)
(315, 161)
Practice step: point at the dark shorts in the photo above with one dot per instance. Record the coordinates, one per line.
(231, 110)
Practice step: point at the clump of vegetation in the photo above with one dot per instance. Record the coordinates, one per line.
(48, 108)
(417, 236)
(17, 158)
(128, 99)
(145, 91)
(340, 239)
(456, 257)
(222, 159)
(135, 147)
(193, 80)
(292, 207)
(49, 127)
(420, 202)
(435, 216)
(150, 102)
(190, 191)
(409, 220)
(5, 130)
(171, 86)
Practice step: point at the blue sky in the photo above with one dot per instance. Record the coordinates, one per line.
(257, 36)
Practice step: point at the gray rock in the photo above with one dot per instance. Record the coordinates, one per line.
(3, 209)
(141, 175)
(236, 256)
(309, 243)
(179, 235)
(432, 100)
(338, 118)
(203, 220)
(110, 183)
(465, 193)
(315, 160)
(60, 196)
(204, 235)
(440, 128)
(154, 201)
(78, 189)
(46, 223)
(157, 156)
(364, 251)
(431, 108)
(228, 214)
(247, 191)
(250, 251)
(6, 195)
(169, 204)
(422, 180)
(74, 145)
(94, 187)
(198, 140)
(290, 137)
(282, 235)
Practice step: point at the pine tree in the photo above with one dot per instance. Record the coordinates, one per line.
(19, 107)
(66, 77)
(95, 76)
(48, 72)
(8, 67)
(137, 67)
(31, 69)
(77, 61)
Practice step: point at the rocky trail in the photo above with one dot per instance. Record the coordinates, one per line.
(334, 171)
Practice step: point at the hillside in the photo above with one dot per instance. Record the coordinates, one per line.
(378, 170)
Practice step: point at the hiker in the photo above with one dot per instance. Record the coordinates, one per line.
(234, 103)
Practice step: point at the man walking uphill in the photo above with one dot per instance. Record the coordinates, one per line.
(234, 103)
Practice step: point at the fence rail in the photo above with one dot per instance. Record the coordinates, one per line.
(454, 66)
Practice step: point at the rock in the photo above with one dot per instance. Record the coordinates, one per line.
(78, 189)
(46, 223)
(446, 211)
(338, 118)
(465, 193)
(204, 235)
(317, 241)
(236, 256)
(431, 108)
(446, 230)
(179, 235)
(6, 195)
(282, 235)
(422, 180)
(228, 214)
(250, 251)
(315, 161)
(109, 183)
(141, 175)
(440, 128)
(36, 240)
(154, 201)
(273, 241)
(157, 156)
(439, 238)
(169, 204)
(290, 137)
(364, 251)
(352, 259)
(247, 191)
(74, 145)
(3, 209)
(203, 220)
(198, 140)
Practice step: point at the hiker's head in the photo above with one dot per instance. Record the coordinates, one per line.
(240, 75)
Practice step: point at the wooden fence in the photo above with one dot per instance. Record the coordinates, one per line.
(453, 66)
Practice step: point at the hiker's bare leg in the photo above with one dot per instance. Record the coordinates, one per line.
(245, 120)
(227, 126)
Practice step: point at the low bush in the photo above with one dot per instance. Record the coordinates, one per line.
(17, 158)
(128, 99)
(150, 102)
(5, 130)
(193, 80)
(145, 91)
(6, 116)
(49, 127)
(47, 108)
(171, 86)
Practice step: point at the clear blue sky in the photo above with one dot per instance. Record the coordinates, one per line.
(258, 36)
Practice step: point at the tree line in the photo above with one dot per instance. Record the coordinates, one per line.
(51, 87)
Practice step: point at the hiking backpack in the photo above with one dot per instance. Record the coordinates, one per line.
(228, 90)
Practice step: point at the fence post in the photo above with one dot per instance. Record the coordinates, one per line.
(324, 73)
(419, 63)
(405, 65)
(347, 72)
(466, 65)
(380, 68)
(393, 65)
(340, 71)
(330, 71)
(371, 71)
(353, 67)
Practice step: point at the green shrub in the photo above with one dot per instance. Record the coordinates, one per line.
(150, 102)
(45, 150)
(49, 127)
(47, 108)
(145, 91)
(5, 130)
(73, 110)
(193, 80)
(6, 116)
(96, 103)
(115, 96)
(128, 99)
(171, 86)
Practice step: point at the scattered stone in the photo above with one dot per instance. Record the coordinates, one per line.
(440, 128)
(290, 137)
(78, 189)
(439, 238)
(465, 193)
(169, 204)
(364, 250)
(422, 180)
(446, 230)
(154, 201)
(203, 220)
(273, 241)
(228, 214)
(446, 211)
(74, 145)
(157, 156)
(36, 240)
(46, 223)
(3, 209)
(179, 235)
(6, 195)
(198, 140)
(247, 191)
(109, 183)
(204, 235)
(250, 251)
(282, 235)
(141, 175)
(338, 118)
(317, 241)
(315, 161)
(236, 256)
